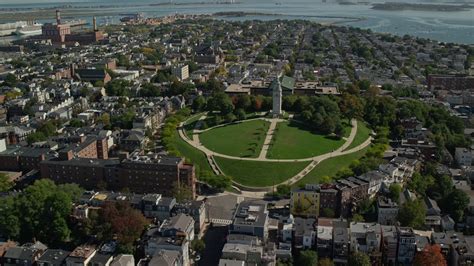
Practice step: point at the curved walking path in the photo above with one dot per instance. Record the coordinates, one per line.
(195, 142)
(260, 191)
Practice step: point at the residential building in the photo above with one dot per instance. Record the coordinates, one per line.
(450, 82)
(141, 174)
(463, 156)
(304, 233)
(324, 236)
(81, 255)
(367, 238)
(195, 209)
(375, 179)
(179, 225)
(166, 258)
(406, 245)
(387, 211)
(24, 256)
(181, 72)
(53, 257)
(153, 242)
(328, 198)
(389, 244)
(341, 243)
(100, 260)
(123, 260)
(251, 218)
(306, 201)
(156, 206)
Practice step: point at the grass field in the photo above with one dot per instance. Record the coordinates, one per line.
(191, 153)
(362, 135)
(291, 141)
(259, 174)
(190, 124)
(242, 139)
(330, 167)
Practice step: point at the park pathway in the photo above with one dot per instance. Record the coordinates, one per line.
(259, 191)
(268, 138)
(195, 142)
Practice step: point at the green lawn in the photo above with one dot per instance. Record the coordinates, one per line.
(330, 167)
(190, 124)
(362, 135)
(190, 153)
(259, 174)
(243, 139)
(293, 141)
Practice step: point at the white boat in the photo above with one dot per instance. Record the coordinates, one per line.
(33, 29)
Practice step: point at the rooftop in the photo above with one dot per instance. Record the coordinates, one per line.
(54, 256)
(251, 213)
(82, 252)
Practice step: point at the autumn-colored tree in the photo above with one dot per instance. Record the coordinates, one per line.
(430, 255)
(325, 262)
(121, 221)
(257, 104)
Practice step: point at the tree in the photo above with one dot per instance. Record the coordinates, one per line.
(220, 102)
(5, 183)
(119, 219)
(9, 219)
(455, 203)
(327, 212)
(420, 183)
(10, 80)
(76, 123)
(104, 119)
(412, 214)
(48, 128)
(43, 210)
(339, 130)
(199, 104)
(326, 262)
(443, 186)
(198, 245)
(357, 218)
(243, 102)
(359, 259)
(118, 87)
(182, 193)
(220, 182)
(308, 258)
(284, 189)
(351, 106)
(285, 262)
(394, 192)
(325, 179)
(430, 256)
(240, 114)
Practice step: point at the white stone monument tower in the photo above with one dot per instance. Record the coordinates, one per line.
(277, 94)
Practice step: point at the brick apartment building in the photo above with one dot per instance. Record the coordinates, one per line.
(18, 158)
(139, 174)
(450, 82)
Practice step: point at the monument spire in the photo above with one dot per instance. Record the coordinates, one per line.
(277, 95)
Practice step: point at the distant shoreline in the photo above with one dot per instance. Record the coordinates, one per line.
(344, 19)
(391, 6)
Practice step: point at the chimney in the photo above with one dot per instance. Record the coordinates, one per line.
(58, 16)
(94, 22)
